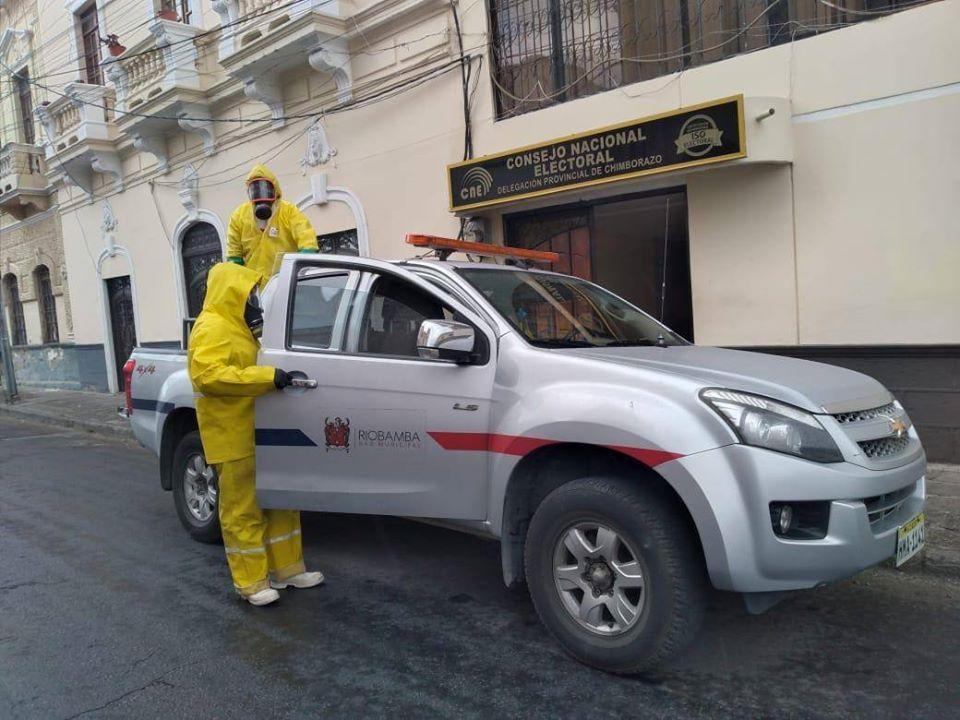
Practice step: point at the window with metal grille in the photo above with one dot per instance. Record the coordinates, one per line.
(339, 243)
(90, 44)
(18, 328)
(22, 81)
(48, 306)
(549, 51)
(200, 250)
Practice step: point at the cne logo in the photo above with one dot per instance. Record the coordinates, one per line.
(336, 434)
(476, 183)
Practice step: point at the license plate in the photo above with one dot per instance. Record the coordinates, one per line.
(910, 537)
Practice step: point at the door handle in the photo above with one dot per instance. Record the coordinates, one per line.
(304, 383)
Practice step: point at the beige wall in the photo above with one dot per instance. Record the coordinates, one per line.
(878, 225)
(742, 256)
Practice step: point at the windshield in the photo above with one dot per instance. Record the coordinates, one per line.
(559, 311)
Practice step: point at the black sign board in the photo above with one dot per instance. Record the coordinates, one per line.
(697, 135)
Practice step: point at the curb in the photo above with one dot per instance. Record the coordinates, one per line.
(89, 426)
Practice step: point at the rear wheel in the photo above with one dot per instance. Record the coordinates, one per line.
(615, 573)
(195, 490)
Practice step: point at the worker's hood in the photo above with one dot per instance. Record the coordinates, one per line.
(262, 171)
(228, 287)
(816, 387)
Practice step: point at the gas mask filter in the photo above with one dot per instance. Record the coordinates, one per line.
(253, 313)
(262, 194)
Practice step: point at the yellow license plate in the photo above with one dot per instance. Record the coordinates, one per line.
(910, 539)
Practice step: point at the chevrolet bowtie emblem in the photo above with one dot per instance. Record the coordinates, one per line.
(898, 428)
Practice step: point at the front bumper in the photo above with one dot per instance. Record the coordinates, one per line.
(728, 492)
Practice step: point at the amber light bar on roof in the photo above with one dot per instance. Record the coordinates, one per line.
(445, 246)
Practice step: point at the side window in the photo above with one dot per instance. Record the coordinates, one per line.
(319, 310)
(392, 315)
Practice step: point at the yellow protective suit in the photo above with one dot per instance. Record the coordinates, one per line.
(221, 357)
(287, 230)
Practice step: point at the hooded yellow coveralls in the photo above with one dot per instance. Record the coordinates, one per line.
(222, 360)
(287, 230)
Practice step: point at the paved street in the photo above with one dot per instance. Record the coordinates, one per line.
(108, 609)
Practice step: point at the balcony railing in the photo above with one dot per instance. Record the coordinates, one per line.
(20, 159)
(23, 181)
(140, 76)
(80, 134)
(263, 39)
(81, 113)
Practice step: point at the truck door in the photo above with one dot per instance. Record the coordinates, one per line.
(364, 440)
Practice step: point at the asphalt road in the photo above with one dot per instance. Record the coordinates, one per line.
(108, 609)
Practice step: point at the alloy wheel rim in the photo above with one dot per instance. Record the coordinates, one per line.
(200, 488)
(600, 578)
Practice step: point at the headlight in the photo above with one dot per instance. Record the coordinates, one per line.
(766, 423)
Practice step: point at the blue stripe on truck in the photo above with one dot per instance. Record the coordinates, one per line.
(153, 405)
(284, 437)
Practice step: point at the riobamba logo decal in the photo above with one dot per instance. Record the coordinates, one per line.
(337, 433)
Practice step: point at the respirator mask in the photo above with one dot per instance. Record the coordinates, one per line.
(253, 313)
(262, 194)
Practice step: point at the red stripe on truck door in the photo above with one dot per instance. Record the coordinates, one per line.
(520, 445)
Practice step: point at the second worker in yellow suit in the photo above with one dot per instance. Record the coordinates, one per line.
(263, 548)
(267, 225)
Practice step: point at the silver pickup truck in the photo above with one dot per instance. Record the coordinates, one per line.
(621, 468)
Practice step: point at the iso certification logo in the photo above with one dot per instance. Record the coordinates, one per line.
(698, 136)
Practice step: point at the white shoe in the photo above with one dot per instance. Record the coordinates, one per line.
(263, 597)
(301, 581)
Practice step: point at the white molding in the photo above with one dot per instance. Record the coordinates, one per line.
(320, 194)
(7, 38)
(179, 230)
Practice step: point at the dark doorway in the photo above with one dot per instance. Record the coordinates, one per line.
(636, 246)
(200, 250)
(122, 325)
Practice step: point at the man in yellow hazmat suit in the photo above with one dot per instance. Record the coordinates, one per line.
(263, 548)
(267, 225)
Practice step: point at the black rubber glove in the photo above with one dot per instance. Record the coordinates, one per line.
(281, 379)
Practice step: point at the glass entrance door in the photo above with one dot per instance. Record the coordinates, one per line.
(636, 246)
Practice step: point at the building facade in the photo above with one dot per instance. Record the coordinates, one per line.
(32, 268)
(775, 175)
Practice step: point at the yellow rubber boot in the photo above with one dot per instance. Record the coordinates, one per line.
(283, 543)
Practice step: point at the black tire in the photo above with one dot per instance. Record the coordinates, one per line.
(207, 531)
(647, 520)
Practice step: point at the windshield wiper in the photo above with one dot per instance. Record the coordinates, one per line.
(645, 342)
(561, 343)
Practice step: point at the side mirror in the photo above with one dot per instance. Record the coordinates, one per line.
(446, 340)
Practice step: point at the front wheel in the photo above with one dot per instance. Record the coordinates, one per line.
(615, 573)
(195, 490)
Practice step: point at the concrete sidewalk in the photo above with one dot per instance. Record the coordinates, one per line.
(97, 413)
(89, 411)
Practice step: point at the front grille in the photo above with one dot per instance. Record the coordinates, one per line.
(884, 447)
(882, 506)
(862, 415)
